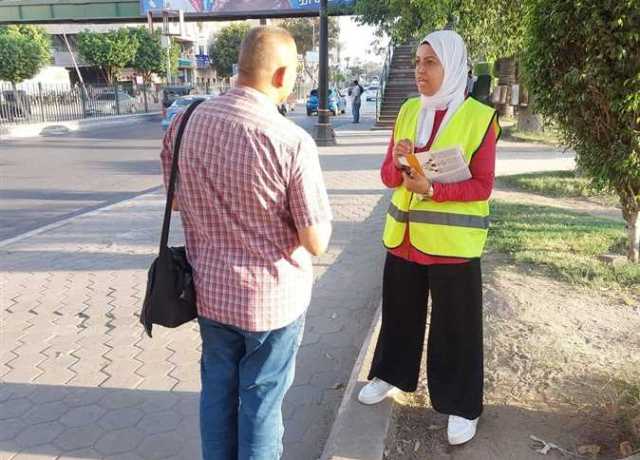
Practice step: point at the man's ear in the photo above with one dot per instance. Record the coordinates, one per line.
(279, 77)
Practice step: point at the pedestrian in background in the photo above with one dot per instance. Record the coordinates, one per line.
(435, 234)
(254, 209)
(356, 92)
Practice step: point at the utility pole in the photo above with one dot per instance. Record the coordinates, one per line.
(323, 132)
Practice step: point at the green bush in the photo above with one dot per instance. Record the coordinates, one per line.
(582, 65)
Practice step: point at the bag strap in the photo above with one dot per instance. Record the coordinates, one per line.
(164, 239)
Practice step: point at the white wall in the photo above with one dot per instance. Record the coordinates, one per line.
(50, 75)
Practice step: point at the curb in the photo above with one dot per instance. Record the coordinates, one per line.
(359, 432)
(64, 127)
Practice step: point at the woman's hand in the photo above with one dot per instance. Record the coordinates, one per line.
(416, 183)
(402, 148)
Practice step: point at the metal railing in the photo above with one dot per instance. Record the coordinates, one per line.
(40, 103)
(384, 76)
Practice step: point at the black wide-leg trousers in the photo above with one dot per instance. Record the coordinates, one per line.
(455, 369)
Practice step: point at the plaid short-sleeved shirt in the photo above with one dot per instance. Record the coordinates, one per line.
(248, 179)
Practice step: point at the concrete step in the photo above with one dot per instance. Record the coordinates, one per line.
(400, 93)
(402, 81)
(397, 90)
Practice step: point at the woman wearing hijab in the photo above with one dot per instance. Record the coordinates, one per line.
(435, 234)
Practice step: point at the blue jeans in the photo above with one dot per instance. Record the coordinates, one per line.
(245, 376)
(355, 110)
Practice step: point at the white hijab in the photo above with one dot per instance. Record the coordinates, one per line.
(452, 53)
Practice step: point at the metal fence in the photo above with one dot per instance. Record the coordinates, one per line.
(36, 103)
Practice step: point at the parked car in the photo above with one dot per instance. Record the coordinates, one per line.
(341, 100)
(14, 105)
(337, 102)
(171, 93)
(371, 93)
(288, 106)
(179, 105)
(105, 104)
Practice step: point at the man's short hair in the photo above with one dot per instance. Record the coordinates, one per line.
(259, 51)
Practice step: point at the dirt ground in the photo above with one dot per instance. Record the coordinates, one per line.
(562, 364)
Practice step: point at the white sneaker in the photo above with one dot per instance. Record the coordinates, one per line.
(376, 391)
(461, 430)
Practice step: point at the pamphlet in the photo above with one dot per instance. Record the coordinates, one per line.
(444, 166)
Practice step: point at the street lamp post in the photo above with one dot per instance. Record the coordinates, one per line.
(323, 132)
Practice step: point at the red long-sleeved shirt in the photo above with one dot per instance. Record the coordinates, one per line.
(482, 166)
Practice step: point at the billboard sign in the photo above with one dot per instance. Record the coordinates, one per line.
(238, 7)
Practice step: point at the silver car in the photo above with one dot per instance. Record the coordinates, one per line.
(105, 103)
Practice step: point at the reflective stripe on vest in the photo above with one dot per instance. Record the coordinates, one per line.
(454, 229)
(438, 218)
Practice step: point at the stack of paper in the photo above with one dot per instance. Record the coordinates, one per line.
(444, 166)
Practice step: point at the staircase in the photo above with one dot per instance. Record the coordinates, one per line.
(398, 84)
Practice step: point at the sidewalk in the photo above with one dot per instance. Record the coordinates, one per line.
(81, 381)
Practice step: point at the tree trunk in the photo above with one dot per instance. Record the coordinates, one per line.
(506, 70)
(19, 111)
(631, 214)
(528, 119)
(633, 226)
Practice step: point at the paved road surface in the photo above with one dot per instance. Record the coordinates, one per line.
(46, 179)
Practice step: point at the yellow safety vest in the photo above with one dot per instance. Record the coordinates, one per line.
(453, 228)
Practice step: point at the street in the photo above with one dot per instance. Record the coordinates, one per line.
(50, 178)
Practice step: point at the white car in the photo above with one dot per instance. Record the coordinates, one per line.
(105, 103)
(371, 93)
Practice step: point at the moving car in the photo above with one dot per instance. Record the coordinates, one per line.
(178, 106)
(337, 102)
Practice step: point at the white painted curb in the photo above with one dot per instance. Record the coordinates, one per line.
(359, 431)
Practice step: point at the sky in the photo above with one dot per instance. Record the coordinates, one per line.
(356, 39)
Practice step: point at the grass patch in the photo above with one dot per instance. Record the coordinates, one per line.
(556, 184)
(629, 410)
(565, 243)
(510, 132)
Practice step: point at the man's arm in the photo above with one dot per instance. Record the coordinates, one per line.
(315, 238)
(308, 199)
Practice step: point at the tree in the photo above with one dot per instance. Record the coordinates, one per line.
(306, 33)
(150, 57)
(225, 48)
(490, 29)
(174, 56)
(110, 51)
(583, 67)
(24, 50)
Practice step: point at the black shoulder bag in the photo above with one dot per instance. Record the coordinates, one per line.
(170, 300)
